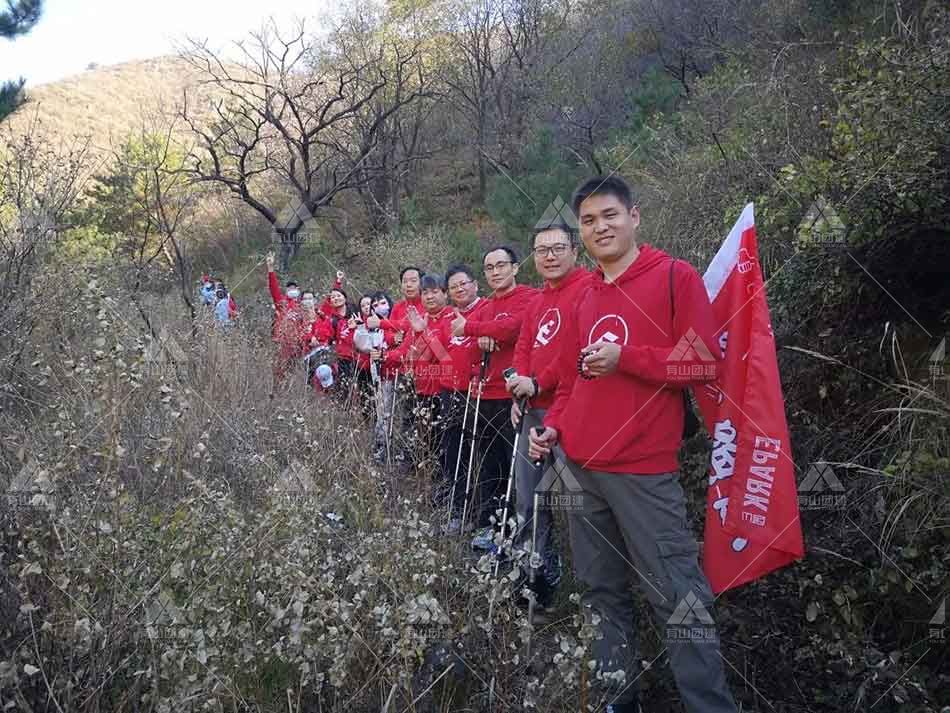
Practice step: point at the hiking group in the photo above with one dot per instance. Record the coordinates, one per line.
(569, 385)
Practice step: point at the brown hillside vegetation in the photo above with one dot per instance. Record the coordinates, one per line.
(106, 103)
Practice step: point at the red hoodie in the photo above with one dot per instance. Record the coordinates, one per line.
(501, 320)
(397, 321)
(542, 332)
(460, 356)
(631, 421)
(418, 352)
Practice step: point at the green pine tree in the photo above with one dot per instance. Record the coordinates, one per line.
(16, 20)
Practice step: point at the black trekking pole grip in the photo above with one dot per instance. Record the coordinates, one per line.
(522, 405)
(538, 463)
(483, 370)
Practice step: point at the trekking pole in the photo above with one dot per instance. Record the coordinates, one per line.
(392, 413)
(532, 572)
(471, 452)
(458, 457)
(511, 477)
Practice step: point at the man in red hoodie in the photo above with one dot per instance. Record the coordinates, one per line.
(397, 322)
(535, 361)
(422, 355)
(639, 334)
(496, 328)
(460, 356)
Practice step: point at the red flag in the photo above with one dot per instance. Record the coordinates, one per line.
(752, 522)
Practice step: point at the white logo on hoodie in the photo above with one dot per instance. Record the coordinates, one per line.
(548, 327)
(609, 328)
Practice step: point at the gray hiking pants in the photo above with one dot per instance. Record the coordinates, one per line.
(527, 478)
(633, 529)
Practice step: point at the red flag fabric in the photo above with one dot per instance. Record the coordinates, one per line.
(752, 521)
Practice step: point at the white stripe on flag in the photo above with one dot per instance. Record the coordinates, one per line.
(722, 265)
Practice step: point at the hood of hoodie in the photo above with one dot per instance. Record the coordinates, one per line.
(649, 258)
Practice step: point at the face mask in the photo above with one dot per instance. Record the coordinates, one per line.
(293, 293)
(308, 302)
(381, 310)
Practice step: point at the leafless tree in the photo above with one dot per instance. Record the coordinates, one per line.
(501, 54)
(298, 121)
(39, 184)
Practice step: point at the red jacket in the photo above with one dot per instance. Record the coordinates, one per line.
(422, 351)
(459, 356)
(542, 332)
(397, 321)
(631, 421)
(282, 304)
(501, 320)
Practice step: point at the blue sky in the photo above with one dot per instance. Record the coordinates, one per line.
(73, 33)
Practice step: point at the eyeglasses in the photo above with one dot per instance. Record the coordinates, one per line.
(460, 285)
(497, 267)
(557, 250)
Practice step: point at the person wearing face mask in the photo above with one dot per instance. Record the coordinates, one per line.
(288, 322)
(364, 383)
(385, 374)
(409, 279)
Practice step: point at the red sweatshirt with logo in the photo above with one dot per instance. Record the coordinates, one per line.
(542, 331)
(460, 356)
(631, 420)
(501, 320)
(417, 352)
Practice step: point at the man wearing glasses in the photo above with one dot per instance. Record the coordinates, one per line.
(535, 360)
(496, 328)
(459, 358)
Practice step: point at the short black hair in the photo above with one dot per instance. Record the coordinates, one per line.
(456, 269)
(291, 283)
(556, 224)
(507, 248)
(612, 185)
(382, 295)
(432, 281)
(408, 268)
